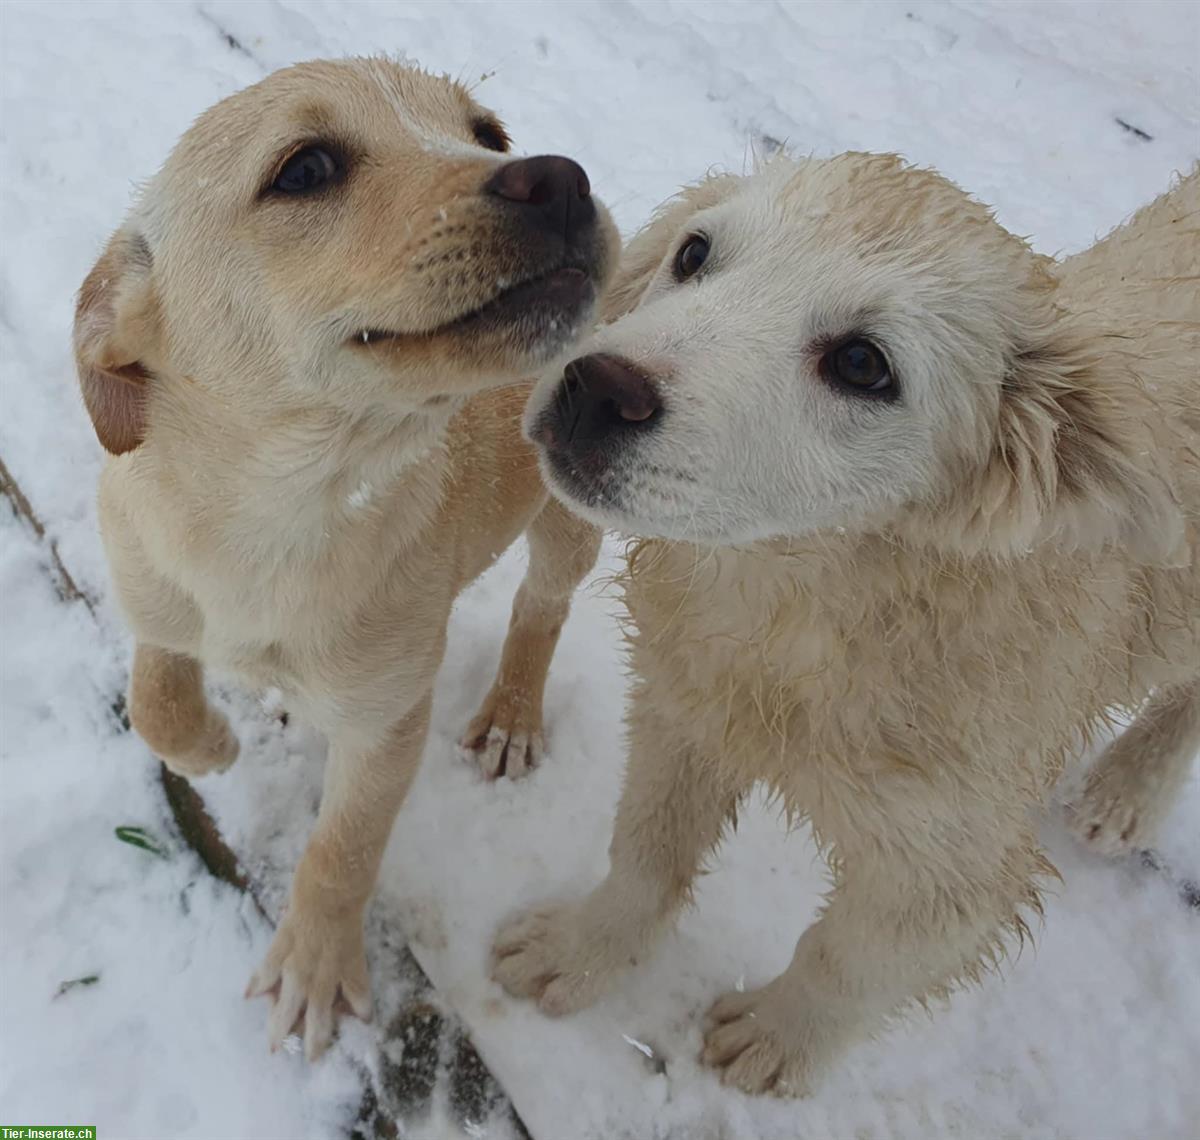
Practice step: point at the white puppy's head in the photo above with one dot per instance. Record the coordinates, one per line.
(841, 343)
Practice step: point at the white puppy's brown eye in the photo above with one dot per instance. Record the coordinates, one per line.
(691, 256)
(307, 171)
(858, 366)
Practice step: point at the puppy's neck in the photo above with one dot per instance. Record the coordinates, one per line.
(329, 453)
(291, 481)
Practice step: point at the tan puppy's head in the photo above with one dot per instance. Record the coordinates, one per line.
(847, 343)
(350, 232)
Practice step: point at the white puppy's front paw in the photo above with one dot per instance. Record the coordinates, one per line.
(1117, 812)
(312, 960)
(548, 955)
(763, 1041)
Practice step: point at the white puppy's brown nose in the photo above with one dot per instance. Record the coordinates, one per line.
(599, 399)
(553, 192)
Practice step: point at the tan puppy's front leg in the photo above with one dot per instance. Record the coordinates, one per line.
(671, 813)
(169, 711)
(910, 917)
(505, 737)
(318, 949)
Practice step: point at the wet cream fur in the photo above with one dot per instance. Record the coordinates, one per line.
(901, 617)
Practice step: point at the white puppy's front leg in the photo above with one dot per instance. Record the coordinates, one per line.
(910, 917)
(1136, 782)
(318, 951)
(671, 813)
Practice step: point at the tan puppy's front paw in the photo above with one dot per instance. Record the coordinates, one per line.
(760, 1042)
(505, 736)
(215, 750)
(312, 960)
(547, 955)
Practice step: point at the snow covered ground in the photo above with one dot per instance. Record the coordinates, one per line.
(1065, 116)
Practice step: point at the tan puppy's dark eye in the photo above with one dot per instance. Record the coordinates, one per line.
(308, 171)
(691, 256)
(858, 366)
(489, 133)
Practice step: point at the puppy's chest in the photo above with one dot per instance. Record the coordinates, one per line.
(886, 667)
(309, 585)
(840, 654)
(743, 655)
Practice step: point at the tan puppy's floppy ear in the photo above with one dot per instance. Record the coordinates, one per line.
(644, 254)
(116, 325)
(1072, 461)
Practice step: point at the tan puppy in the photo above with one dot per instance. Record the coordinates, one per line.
(926, 509)
(282, 348)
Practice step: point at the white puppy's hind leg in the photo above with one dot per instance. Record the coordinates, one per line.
(1133, 785)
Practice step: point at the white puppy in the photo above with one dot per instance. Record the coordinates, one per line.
(922, 507)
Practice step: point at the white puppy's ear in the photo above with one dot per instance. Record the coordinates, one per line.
(644, 254)
(116, 326)
(1072, 459)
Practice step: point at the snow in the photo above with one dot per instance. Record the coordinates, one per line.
(159, 1045)
(1095, 1032)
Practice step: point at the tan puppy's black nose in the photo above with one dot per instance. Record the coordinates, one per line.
(553, 192)
(600, 398)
